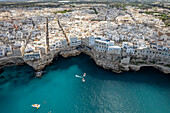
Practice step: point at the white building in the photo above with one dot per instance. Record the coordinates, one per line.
(32, 56)
(130, 50)
(7, 48)
(64, 43)
(2, 52)
(102, 45)
(114, 49)
(74, 41)
(29, 49)
(124, 44)
(16, 51)
(55, 44)
(19, 35)
(127, 45)
(91, 40)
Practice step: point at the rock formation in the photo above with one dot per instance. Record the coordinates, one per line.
(107, 61)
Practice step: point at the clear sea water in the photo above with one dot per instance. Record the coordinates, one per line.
(59, 91)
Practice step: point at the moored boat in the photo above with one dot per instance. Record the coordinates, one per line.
(35, 105)
(83, 80)
(84, 74)
(38, 74)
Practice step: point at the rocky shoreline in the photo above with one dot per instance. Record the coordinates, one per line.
(104, 60)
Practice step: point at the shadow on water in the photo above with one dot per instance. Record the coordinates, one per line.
(148, 75)
(16, 75)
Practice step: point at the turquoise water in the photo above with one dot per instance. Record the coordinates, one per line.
(59, 91)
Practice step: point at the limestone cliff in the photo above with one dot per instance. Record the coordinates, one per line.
(103, 59)
(38, 65)
(11, 61)
(69, 52)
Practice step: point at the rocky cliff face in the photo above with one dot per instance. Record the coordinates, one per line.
(11, 61)
(113, 62)
(70, 52)
(105, 60)
(38, 65)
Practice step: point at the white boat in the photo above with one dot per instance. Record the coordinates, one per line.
(35, 105)
(83, 80)
(38, 74)
(84, 74)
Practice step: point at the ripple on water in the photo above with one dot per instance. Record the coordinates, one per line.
(146, 91)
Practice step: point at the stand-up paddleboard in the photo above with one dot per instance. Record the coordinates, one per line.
(36, 105)
(78, 76)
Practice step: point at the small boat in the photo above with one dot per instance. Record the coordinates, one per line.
(83, 80)
(38, 74)
(84, 74)
(36, 105)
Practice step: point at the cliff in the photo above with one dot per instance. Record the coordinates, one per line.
(112, 61)
(69, 52)
(106, 60)
(11, 61)
(38, 65)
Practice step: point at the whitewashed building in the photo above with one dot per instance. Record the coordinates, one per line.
(2, 52)
(64, 43)
(16, 51)
(74, 41)
(91, 40)
(32, 56)
(114, 49)
(55, 44)
(7, 48)
(102, 45)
